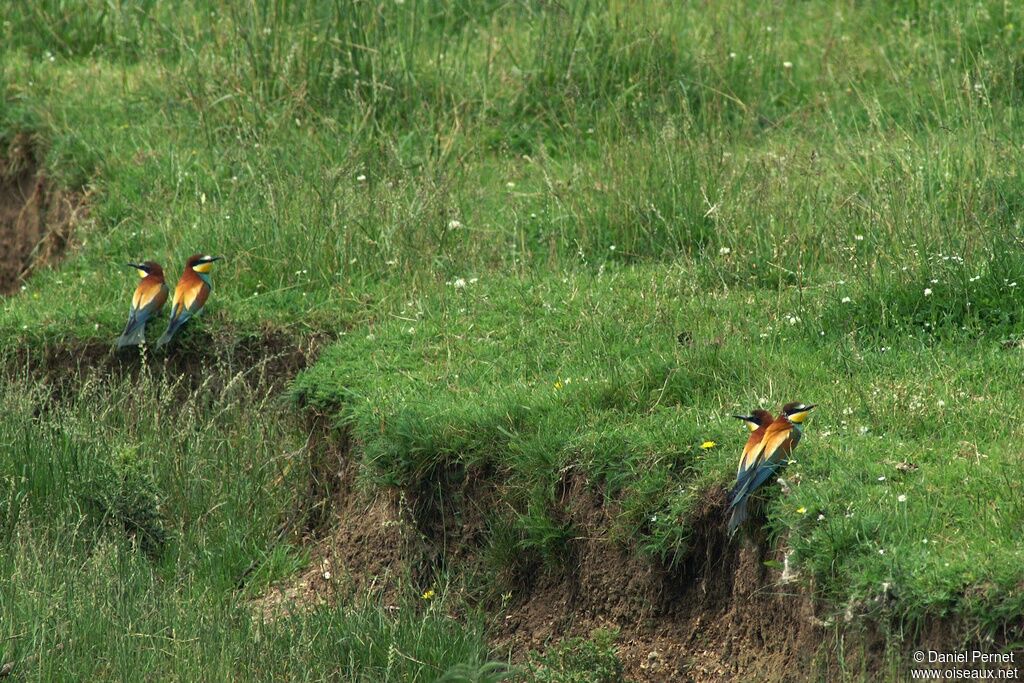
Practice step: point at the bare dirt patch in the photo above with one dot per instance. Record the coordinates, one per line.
(270, 359)
(37, 219)
(725, 613)
(363, 545)
(722, 615)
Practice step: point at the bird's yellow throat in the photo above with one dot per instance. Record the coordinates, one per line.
(797, 418)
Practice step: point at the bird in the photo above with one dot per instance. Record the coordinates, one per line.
(147, 302)
(757, 422)
(780, 437)
(190, 294)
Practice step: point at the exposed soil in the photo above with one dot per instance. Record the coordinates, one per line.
(722, 615)
(270, 358)
(37, 219)
(363, 545)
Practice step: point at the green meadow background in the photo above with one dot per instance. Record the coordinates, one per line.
(498, 221)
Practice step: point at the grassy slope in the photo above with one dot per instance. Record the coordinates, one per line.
(586, 375)
(139, 522)
(611, 178)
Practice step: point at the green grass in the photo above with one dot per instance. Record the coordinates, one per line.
(501, 216)
(533, 380)
(140, 520)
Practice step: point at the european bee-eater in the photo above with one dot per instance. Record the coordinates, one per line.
(190, 294)
(771, 453)
(147, 301)
(757, 422)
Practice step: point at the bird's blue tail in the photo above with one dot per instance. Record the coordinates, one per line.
(738, 516)
(134, 334)
(172, 329)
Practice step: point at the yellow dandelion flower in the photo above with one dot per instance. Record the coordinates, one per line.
(801, 510)
(428, 594)
(708, 444)
(558, 385)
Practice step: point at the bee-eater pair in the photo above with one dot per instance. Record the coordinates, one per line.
(770, 444)
(189, 296)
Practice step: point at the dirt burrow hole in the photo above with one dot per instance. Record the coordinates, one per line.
(36, 218)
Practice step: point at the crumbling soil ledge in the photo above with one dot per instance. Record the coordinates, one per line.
(37, 219)
(364, 546)
(722, 614)
(271, 357)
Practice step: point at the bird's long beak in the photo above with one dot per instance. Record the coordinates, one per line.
(745, 418)
(136, 266)
(801, 415)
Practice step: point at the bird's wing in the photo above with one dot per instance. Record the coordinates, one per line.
(189, 298)
(751, 451)
(149, 295)
(148, 299)
(776, 444)
(178, 307)
(748, 467)
(195, 298)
